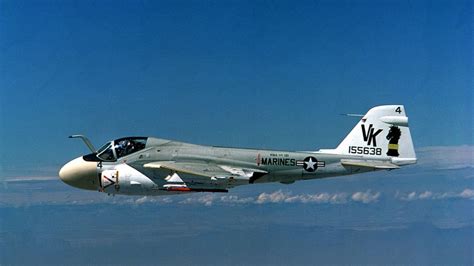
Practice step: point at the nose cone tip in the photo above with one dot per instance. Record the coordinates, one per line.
(62, 172)
(79, 173)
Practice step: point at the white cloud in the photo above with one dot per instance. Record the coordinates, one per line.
(365, 197)
(467, 194)
(429, 195)
(278, 196)
(411, 196)
(236, 199)
(316, 198)
(446, 157)
(275, 197)
(321, 198)
(141, 200)
(151, 199)
(426, 195)
(206, 199)
(336, 198)
(415, 196)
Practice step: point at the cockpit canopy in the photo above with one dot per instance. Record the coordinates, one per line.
(119, 148)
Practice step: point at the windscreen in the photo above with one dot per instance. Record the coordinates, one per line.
(106, 153)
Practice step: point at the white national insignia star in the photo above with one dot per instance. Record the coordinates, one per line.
(310, 164)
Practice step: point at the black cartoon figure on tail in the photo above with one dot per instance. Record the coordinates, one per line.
(393, 136)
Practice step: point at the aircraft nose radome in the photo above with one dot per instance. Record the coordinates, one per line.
(79, 173)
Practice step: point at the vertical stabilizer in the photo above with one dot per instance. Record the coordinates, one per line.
(382, 132)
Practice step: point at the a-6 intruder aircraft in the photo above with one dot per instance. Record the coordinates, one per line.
(381, 140)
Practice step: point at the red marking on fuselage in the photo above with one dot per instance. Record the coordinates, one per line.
(179, 189)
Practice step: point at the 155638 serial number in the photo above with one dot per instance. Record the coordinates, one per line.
(365, 150)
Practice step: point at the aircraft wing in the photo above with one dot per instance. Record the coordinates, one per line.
(183, 172)
(374, 164)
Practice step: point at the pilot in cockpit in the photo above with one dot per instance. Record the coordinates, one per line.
(120, 148)
(130, 147)
(124, 147)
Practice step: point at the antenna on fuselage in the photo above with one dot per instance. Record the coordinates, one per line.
(86, 141)
(355, 115)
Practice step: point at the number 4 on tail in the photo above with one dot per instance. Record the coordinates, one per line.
(398, 110)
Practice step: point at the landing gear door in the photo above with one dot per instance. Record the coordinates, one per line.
(109, 181)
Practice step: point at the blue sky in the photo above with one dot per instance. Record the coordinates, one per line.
(252, 74)
(247, 74)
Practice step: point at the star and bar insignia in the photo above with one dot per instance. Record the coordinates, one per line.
(310, 163)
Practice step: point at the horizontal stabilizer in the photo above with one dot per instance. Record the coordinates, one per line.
(369, 164)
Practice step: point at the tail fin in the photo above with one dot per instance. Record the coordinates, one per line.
(382, 132)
